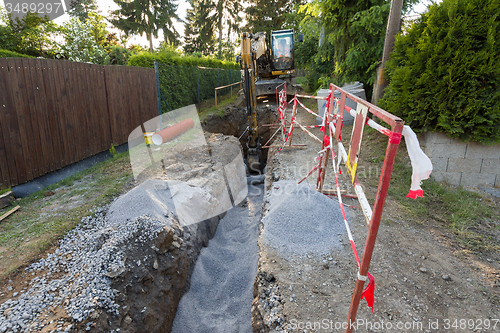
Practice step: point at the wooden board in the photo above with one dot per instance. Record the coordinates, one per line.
(9, 212)
(357, 134)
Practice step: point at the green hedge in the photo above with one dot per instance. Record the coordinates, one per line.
(180, 84)
(444, 72)
(179, 76)
(12, 54)
(146, 59)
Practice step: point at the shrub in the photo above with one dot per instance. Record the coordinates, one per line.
(179, 77)
(444, 73)
(12, 54)
(146, 59)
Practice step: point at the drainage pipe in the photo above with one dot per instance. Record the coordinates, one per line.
(172, 132)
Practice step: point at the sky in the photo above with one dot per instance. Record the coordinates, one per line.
(104, 6)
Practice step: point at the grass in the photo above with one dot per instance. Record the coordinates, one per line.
(47, 215)
(467, 214)
(302, 80)
(2, 191)
(209, 107)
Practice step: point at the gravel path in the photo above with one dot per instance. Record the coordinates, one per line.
(220, 296)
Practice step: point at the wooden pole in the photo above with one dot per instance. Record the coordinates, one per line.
(393, 27)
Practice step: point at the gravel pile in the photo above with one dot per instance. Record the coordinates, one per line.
(301, 221)
(77, 275)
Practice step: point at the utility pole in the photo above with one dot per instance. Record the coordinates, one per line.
(393, 26)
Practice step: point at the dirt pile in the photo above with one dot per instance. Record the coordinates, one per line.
(423, 282)
(127, 265)
(235, 121)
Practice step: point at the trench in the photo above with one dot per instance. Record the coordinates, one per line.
(234, 122)
(220, 291)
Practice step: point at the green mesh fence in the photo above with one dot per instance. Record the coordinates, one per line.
(181, 85)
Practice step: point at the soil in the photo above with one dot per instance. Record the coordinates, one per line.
(235, 120)
(423, 279)
(424, 282)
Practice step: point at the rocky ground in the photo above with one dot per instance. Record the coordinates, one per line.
(125, 267)
(124, 270)
(423, 282)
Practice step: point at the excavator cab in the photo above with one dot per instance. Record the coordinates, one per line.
(282, 45)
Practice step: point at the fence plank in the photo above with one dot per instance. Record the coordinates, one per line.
(6, 162)
(56, 87)
(63, 76)
(103, 109)
(45, 115)
(23, 119)
(96, 110)
(35, 146)
(36, 121)
(80, 121)
(53, 113)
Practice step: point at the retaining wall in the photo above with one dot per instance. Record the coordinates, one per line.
(468, 164)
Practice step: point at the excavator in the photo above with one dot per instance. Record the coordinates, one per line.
(263, 69)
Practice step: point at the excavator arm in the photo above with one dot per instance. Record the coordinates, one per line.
(248, 67)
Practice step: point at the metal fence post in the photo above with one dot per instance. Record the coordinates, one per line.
(158, 92)
(198, 82)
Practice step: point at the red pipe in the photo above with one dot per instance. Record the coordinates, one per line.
(172, 132)
(385, 179)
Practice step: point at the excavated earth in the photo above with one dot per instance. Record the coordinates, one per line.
(424, 282)
(126, 267)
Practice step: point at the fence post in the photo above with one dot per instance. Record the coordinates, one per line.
(158, 92)
(198, 82)
(218, 84)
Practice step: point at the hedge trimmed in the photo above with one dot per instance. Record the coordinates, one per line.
(179, 77)
(12, 54)
(179, 84)
(444, 72)
(146, 59)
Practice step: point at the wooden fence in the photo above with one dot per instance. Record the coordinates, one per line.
(54, 113)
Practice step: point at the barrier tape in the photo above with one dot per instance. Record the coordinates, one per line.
(308, 110)
(368, 293)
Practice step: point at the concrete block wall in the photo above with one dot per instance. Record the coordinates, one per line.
(469, 164)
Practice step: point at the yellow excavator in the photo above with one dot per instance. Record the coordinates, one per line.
(263, 69)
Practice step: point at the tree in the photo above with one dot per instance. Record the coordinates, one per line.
(354, 35)
(81, 44)
(32, 35)
(268, 15)
(444, 74)
(199, 35)
(226, 17)
(82, 8)
(147, 17)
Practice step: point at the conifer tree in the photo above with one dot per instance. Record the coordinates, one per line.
(147, 17)
(199, 34)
